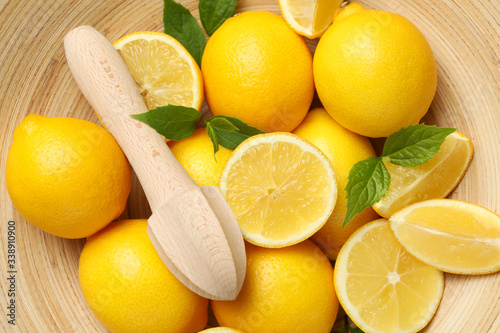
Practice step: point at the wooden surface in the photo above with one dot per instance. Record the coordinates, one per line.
(35, 78)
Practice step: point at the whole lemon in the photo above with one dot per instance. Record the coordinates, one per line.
(67, 176)
(129, 289)
(374, 71)
(196, 155)
(286, 290)
(344, 149)
(257, 69)
(221, 330)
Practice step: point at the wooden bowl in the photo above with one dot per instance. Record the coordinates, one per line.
(34, 78)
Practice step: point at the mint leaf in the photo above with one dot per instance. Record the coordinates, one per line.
(174, 122)
(414, 145)
(214, 12)
(227, 136)
(213, 137)
(367, 183)
(180, 24)
(223, 124)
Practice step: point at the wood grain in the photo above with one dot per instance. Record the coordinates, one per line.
(35, 78)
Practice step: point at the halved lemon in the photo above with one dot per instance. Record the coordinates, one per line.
(381, 286)
(432, 180)
(452, 235)
(164, 71)
(281, 188)
(309, 18)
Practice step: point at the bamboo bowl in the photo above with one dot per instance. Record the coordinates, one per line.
(35, 78)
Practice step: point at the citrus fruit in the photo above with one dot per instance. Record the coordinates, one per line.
(286, 290)
(374, 71)
(451, 235)
(344, 149)
(67, 176)
(432, 180)
(257, 69)
(164, 71)
(383, 288)
(129, 289)
(281, 188)
(221, 330)
(196, 155)
(309, 18)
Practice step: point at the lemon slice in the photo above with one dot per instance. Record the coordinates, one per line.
(432, 180)
(309, 18)
(381, 286)
(162, 68)
(281, 188)
(451, 235)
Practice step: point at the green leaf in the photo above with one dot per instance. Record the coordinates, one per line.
(213, 137)
(367, 183)
(180, 24)
(231, 138)
(214, 12)
(223, 124)
(172, 121)
(414, 145)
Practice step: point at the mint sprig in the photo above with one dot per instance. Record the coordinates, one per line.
(214, 12)
(179, 23)
(369, 180)
(179, 122)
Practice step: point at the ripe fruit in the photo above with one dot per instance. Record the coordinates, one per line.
(129, 289)
(162, 68)
(381, 286)
(432, 180)
(309, 18)
(374, 71)
(221, 330)
(281, 188)
(67, 176)
(196, 155)
(285, 291)
(451, 235)
(344, 149)
(257, 69)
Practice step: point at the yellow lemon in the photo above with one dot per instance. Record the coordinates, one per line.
(221, 330)
(196, 155)
(309, 18)
(67, 176)
(162, 68)
(381, 286)
(129, 289)
(374, 71)
(432, 180)
(286, 290)
(451, 235)
(344, 149)
(257, 69)
(281, 188)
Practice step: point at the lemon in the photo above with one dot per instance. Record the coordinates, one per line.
(286, 290)
(221, 330)
(309, 18)
(257, 69)
(432, 180)
(381, 286)
(164, 71)
(344, 149)
(67, 176)
(281, 188)
(451, 235)
(196, 155)
(129, 289)
(374, 71)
